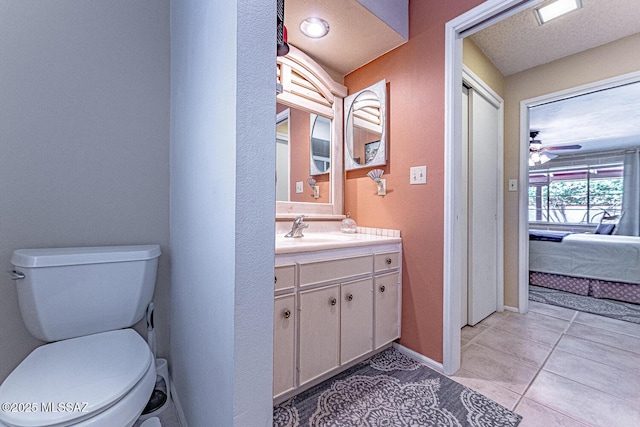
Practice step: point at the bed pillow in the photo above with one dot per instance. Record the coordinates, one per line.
(604, 228)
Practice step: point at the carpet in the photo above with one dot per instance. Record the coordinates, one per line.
(391, 389)
(603, 307)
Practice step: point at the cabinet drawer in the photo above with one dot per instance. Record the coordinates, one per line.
(334, 270)
(285, 277)
(386, 261)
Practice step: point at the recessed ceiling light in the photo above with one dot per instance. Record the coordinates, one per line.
(314, 27)
(555, 9)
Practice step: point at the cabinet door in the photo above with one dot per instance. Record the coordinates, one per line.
(356, 324)
(284, 340)
(387, 311)
(319, 331)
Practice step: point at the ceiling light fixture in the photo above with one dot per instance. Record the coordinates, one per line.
(555, 9)
(314, 27)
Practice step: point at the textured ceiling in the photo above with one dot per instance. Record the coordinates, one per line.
(518, 43)
(599, 121)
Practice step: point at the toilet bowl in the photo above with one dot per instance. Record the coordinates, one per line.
(97, 372)
(86, 381)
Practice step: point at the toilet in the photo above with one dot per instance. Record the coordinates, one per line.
(95, 370)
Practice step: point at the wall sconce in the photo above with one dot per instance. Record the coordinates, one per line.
(375, 175)
(314, 187)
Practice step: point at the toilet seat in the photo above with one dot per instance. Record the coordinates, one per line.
(86, 375)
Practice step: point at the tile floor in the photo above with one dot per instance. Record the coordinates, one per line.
(556, 366)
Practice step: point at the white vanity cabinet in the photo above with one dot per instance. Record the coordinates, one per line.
(333, 308)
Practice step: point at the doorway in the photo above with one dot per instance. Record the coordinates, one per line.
(483, 15)
(525, 105)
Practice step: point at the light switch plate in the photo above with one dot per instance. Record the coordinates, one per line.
(513, 185)
(418, 175)
(299, 187)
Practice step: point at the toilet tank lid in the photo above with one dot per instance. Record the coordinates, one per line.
(54, 257)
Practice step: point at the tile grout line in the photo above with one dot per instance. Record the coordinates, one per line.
(553, 348)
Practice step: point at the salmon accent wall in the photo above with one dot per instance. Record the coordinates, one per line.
(415, 129)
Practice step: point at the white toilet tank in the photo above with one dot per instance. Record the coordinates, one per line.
(71, 292)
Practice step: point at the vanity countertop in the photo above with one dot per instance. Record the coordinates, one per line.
(329, 240)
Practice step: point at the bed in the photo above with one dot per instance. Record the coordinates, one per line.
(598, 265)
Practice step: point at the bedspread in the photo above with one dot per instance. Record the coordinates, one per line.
(594, 256)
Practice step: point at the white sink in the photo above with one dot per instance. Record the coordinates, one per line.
(329, 240)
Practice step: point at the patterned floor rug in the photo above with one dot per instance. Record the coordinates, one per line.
(391, 389)
(604, 307)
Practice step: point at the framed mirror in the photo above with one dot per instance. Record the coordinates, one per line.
(311, 147)
(365, 135)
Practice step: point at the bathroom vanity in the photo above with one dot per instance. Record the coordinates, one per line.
(337, 302)
(337, 295)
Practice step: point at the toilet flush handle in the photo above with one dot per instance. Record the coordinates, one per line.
(16, 275)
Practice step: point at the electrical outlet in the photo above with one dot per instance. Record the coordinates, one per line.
(418, 175)
(299, 187)
(513, 185)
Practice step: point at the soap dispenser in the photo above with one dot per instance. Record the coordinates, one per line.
(348, 225)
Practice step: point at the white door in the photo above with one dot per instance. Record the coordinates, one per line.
(462, 231)
(483, 205)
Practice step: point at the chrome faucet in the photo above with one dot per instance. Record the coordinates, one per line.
(296, 228)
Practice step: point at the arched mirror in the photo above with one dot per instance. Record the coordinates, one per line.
(365, 127)
(309, 141)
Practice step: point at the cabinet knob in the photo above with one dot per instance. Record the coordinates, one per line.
(382, 288)
(286, 314)
(333, 301)
(388, 261)
(275, 279)
(350, 297)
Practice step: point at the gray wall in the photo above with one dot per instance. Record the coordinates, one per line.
(222, 209)
(84, 137)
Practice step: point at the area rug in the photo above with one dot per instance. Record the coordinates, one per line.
(603, 307)
(391, 389)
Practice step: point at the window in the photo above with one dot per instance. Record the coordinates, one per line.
(576, 196)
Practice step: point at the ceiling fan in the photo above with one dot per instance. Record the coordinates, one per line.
(539, 154)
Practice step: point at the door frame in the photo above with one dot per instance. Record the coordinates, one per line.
(482, 16)
(523, 217)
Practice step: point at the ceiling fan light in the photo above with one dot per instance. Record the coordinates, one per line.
(555, 9)
(531, 162)
(535, 156)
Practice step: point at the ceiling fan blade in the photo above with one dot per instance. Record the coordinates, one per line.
(563, 147)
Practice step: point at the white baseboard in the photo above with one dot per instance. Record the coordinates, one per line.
(176, 402)
(419, 357)
(512, 309)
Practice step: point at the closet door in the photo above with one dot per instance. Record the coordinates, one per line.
(483, 204)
